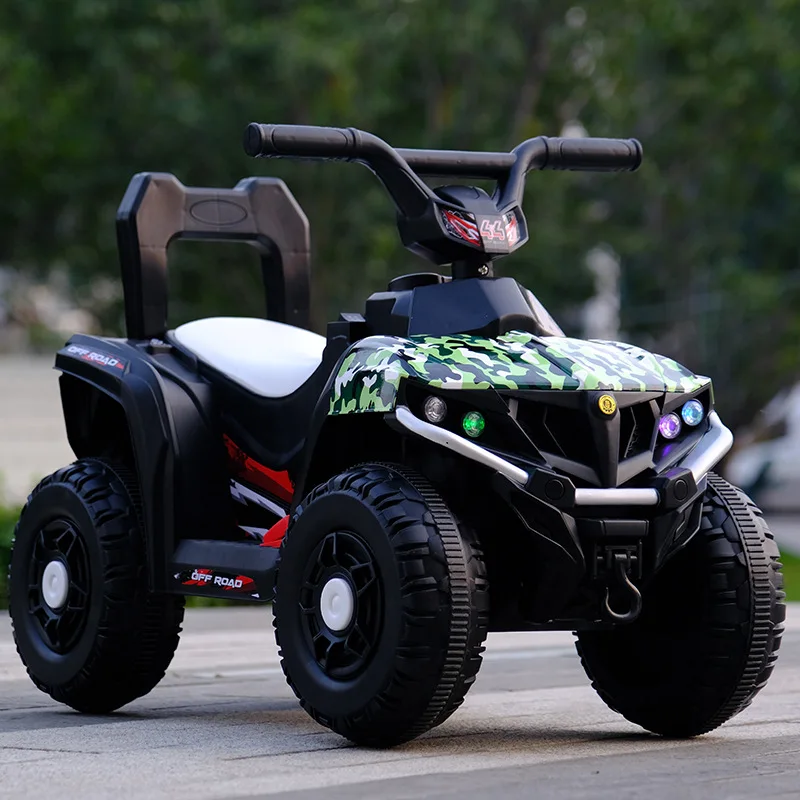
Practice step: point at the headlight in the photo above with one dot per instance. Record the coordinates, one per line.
(693, 412)
(473, 424)
(669, 426)
(435, 409)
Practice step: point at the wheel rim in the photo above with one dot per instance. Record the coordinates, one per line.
(58, 585)
(340, 605)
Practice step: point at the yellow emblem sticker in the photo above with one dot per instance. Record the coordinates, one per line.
(607, 404)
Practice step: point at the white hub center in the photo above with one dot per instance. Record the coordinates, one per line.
(336, 604)
(55, 584)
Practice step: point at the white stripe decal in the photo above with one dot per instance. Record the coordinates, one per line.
(242, 494)
(258, 533)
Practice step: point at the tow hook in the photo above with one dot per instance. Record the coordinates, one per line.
(619, 563)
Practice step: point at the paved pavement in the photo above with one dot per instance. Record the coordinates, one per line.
(223, 724)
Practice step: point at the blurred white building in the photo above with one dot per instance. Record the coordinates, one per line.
(766, 464)
(33, 442)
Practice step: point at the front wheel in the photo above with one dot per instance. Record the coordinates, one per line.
(381, 606)
(711, 625)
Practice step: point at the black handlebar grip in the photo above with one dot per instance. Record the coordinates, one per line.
(600, 155)
(300, 141)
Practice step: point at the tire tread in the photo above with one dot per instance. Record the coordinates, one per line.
(448, 561)
(736, 650)
(138, 631)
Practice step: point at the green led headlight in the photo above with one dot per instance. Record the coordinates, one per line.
(473, 424)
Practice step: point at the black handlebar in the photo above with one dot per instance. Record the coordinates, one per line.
(600, 155)
(302, 141)
(399, 169)
(410, 194)
(459, 163)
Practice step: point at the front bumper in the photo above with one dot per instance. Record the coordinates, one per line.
(716, 442)
(577, 532)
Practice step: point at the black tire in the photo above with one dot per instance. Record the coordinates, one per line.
(111, 641)
(710, 628)
(424, 615)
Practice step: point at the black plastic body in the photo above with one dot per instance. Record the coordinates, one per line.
(151, 405)
(472, 306)
(570, 545)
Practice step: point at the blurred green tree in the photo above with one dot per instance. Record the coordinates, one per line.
(96, 90)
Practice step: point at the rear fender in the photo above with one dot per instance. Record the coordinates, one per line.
(147, 409)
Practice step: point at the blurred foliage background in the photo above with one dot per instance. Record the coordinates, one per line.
(93, 91)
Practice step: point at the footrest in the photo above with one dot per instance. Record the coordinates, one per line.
(228, 570)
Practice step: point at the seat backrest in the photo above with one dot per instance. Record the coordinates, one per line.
(157, 208)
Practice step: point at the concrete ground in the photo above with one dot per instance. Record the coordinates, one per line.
(223, 724)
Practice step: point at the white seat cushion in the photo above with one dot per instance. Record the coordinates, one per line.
(268, 358)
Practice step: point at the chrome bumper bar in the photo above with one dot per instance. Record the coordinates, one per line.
(708, 451)
(460, 445)
(616, 497)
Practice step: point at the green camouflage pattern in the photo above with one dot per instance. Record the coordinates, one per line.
(369, 377)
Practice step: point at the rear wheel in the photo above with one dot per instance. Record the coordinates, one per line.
(85, 625)
(710, 628)
(381, 606)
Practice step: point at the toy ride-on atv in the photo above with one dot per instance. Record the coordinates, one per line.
(445, 464)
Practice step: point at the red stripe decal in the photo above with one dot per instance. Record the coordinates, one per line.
(274, 536)
(246, 468)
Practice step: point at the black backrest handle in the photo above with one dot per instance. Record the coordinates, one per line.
(157, 208)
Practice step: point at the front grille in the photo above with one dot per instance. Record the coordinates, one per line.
(636, 430)
(554, 429)
(567, 432)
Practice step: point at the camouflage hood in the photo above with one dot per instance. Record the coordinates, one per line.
(369, 377)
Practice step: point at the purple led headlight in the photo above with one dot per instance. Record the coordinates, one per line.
(669, 426)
